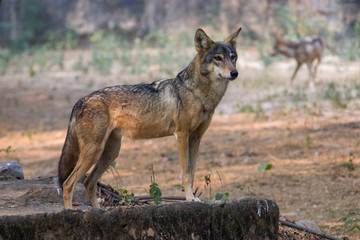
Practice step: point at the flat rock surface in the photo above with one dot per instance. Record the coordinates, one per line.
(250, 218)
(23, 197)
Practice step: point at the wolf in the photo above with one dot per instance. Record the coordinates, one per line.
(182, 106)
(305, 50)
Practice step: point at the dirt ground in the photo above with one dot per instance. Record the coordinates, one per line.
(309, 145)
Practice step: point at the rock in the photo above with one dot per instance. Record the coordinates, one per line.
(310, 225)
(11, 170)
(250, 218)
(24, 197)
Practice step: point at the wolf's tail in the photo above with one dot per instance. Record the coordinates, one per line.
(69, 155)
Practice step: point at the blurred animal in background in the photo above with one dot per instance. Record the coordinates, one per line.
(182, 106)
(305, 50)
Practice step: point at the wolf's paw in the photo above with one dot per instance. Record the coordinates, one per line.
(196, 199)
(193, 199)
(312, 86)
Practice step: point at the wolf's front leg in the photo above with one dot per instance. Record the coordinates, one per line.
(194, 144)
(187, 167)
(188, 152)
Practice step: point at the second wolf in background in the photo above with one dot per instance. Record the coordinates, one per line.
(305, 51)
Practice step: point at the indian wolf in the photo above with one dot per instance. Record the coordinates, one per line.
(305, 50)
(182, 106)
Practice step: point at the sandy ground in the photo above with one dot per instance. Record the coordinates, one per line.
(309, 147)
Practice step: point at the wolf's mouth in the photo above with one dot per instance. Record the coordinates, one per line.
(230, 78)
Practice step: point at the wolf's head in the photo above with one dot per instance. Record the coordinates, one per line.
(217, 59)
(284, 47)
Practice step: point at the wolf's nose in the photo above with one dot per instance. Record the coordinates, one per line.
(234, 73)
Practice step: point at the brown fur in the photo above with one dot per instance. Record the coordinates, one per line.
(304, 51)
(182, 106)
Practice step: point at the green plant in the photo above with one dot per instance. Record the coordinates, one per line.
(264, 167)
(32, 24)
(352, 221)
(351, 48)
(80, 66)
(115, 174)
(42, 59)
(357, 32)
(247, 108)
(308, 140)
(62, 40)
(7, 150)
(157, 50)
(334, 96)
(222, 196)
(5, 58)
(158, 38)
(103, 51)
(32, 72)
(125, 196)
(260, 112)
(155, 191)
(101, 61)
(350, 164)
(298, 96)
(297, 25)
(285, 20)
(266, 59)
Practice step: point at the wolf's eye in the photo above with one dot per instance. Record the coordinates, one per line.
(218, 58)
(233, 58)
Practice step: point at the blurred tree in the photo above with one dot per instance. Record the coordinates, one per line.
(25, 22)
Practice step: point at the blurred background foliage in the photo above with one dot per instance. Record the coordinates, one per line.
(36, 33)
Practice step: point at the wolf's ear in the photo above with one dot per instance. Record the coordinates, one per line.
(202, 41)
(232, 38)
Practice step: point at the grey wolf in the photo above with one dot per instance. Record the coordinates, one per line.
(182, 106)
(305, 50)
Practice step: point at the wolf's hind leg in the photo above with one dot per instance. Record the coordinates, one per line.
(111, 151)
(316, 66)
(87, 158)
(310, 68)
(295, 72)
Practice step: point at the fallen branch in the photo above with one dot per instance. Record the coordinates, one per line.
(293, 225)
(169, 198)
(115, 197)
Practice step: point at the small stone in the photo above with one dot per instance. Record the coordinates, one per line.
(310, 225)
(11, 170)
